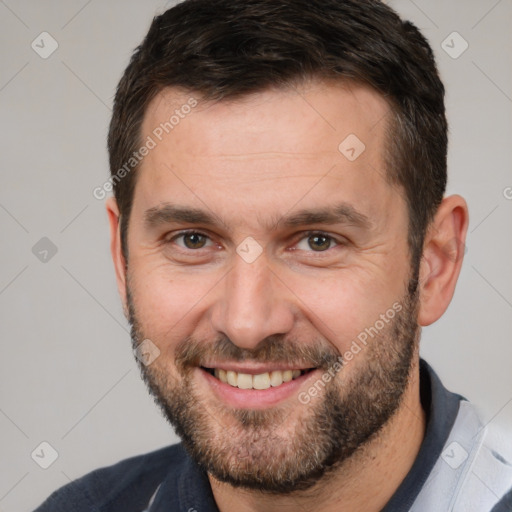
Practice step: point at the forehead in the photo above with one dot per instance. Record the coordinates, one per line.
(266, 150)
(320, 112)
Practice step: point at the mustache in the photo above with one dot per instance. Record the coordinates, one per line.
(191, 352)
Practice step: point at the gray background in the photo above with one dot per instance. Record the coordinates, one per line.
(67, 372)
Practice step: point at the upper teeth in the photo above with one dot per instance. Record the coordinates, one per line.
(260, 381)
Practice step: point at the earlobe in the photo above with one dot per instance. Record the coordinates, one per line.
(443, 252)
(116, 248)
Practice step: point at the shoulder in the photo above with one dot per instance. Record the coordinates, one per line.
(478, 454)
(468, 458)
(126, 486)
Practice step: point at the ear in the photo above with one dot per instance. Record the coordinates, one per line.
(115, 249)
(443, 252)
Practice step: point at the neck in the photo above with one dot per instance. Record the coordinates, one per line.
(380, 466)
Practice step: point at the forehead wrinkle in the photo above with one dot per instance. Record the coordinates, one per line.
(259, 155)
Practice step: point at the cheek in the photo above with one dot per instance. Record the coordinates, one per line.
(169, 304)
(342, 307)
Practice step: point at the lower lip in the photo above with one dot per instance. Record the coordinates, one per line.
(255, 398)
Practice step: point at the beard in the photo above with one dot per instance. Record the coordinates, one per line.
(266, 450)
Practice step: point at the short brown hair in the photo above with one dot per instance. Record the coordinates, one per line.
(221, 49)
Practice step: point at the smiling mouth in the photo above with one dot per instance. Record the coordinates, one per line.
(260, 381)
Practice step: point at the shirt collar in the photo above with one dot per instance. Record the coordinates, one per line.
(442, 407)
(190, 491)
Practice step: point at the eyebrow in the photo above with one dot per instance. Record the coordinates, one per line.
(168, 213)
(343, 213)
(340, 214)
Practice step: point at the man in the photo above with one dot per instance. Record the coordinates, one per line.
(280, 235)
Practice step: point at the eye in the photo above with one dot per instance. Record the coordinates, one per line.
(318, 242)
(191, 240)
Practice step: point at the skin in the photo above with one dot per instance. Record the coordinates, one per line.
(250, 163)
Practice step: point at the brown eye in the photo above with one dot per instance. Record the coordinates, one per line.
(194, 240)
(191, 240)
(319, 242)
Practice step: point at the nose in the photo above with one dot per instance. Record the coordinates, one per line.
(252, 304)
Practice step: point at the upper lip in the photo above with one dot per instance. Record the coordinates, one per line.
(255, 368)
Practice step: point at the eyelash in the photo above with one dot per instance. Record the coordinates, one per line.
(304, 235)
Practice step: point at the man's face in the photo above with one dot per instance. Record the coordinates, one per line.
(259, 251)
